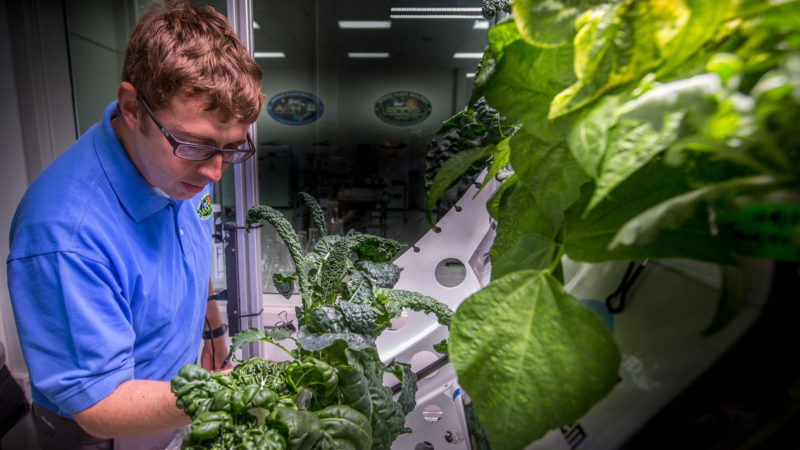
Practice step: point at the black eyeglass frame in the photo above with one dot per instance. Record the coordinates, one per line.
(175, 143)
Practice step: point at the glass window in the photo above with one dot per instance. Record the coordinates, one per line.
(354, 96)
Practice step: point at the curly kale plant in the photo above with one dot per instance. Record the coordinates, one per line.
(331, 395)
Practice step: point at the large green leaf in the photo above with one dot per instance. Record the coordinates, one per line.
(549, 23)
(586, 238)
(525, 80)
(525, 239)
(617, 44)
(704, 19)
(530, 356)
(631, 145)
(672, 213)
(588, 135)
(550, 172)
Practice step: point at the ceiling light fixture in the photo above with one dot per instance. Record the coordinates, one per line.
(467, 55)
(367, 54)
(365, 24)
(269, 55)
(256, 26)
(481, 25)
(470, 74)
(448, 10)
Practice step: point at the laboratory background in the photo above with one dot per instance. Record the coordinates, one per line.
(362, 109)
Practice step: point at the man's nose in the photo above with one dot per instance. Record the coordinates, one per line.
(212, 168)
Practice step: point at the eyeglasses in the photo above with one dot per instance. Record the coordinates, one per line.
(198, 152)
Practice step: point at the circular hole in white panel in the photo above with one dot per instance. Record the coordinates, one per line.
(399, 322)
(432, 413)
(422, 360)
(450, 272)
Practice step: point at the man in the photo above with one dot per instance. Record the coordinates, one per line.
(110, 246)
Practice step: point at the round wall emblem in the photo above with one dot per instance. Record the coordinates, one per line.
(295, 108)
(403, 108)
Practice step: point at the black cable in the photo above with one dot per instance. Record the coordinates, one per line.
(213, 351)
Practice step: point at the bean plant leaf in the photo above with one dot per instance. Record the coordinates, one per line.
(631, 145)
(672, 213)
(619, 43)
(550, 23)
(565, 357)
(704, 20)
(525, 239)
(551, 172)
(586, 238)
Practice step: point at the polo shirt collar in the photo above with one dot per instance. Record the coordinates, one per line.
(135, 194)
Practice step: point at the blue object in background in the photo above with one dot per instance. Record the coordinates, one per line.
(601, 310)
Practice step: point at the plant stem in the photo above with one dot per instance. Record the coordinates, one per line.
(556, 260)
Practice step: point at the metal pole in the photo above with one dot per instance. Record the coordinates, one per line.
(248, 251)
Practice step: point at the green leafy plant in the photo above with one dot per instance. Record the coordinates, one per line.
(643, 129)
(331, 394)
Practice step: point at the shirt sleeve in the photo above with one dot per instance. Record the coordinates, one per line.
(74, 327)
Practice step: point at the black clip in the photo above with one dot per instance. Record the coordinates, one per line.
(250, 315)
(631, 274)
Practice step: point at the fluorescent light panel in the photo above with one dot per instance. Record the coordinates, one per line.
(436, 16)
(467, 55)
(470, 74)
(256, 26)
(269, 55)
(367, 54)
(481, 25)
(365, 24)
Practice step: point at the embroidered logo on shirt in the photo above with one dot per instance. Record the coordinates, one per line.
(204, 207)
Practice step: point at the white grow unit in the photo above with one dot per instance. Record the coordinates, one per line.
(658, 332)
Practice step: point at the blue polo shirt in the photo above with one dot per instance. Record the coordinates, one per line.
(108, 279)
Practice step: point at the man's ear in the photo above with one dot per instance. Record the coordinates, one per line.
(128, 105)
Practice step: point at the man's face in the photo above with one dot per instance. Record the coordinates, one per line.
(186, 119)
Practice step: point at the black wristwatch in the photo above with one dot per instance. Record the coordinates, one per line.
(215, 333)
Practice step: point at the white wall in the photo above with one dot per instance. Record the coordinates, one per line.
(13, 181)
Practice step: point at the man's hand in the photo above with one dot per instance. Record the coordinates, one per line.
(214, 353)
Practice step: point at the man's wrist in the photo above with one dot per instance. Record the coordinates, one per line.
(215, 333)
